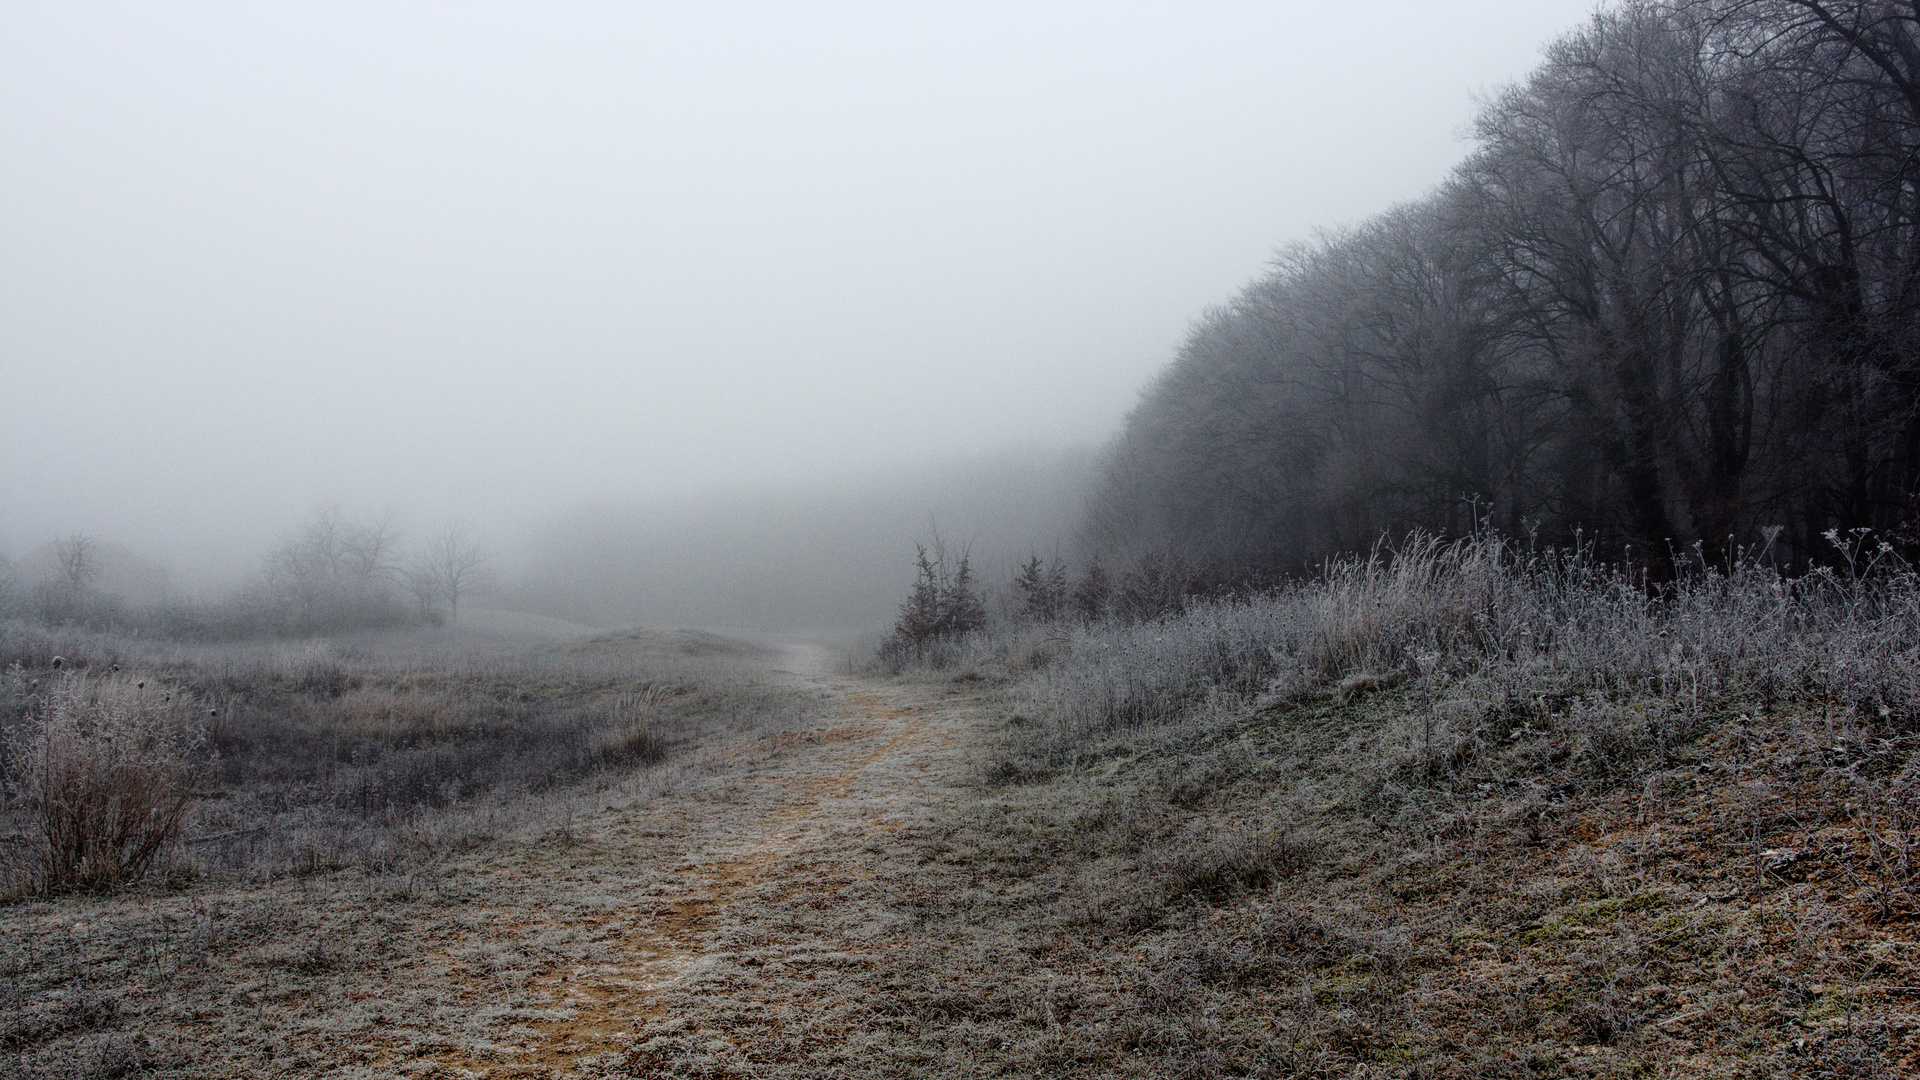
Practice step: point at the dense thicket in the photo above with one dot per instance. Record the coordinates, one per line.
(1669, 300)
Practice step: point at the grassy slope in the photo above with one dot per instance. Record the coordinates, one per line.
(1235, 898)
(1460, 813)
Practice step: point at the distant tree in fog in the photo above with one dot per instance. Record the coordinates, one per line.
(1043, 589)
(336, 573)
(454, 565)
(919, 619)
(961, 609)
(1092, 592)
(943, 602)
(65, 596)
(76, 563)
(1156, 586)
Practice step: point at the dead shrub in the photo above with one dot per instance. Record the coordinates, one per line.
(1617, 740)
(1251, 858)
(104, 768)
(1888, 817)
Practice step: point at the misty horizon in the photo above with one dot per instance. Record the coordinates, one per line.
(507, 265)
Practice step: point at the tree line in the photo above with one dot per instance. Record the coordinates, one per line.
(1667, 307)
(336, 573)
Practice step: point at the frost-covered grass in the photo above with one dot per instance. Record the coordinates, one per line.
(1453, 810)
(369, 752)
(1525, 634)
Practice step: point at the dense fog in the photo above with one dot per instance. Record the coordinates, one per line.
(578, 271)
(838, 555)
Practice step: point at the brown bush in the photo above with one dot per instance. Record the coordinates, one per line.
(103, 768)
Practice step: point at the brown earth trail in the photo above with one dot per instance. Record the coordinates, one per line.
(757, 881)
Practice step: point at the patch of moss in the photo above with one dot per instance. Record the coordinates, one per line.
(1593, 913)
(1397, 1053)
(1342, 989)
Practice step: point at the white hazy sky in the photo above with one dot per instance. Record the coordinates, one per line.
(492, 259)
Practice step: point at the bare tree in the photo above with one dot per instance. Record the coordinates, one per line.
(76, 563)
(369, 551)
(67, 595)
(454, 565)
(337, 572)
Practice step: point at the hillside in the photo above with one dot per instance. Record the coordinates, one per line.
(1456, 810)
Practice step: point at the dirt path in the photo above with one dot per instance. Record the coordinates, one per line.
(755, 906)
(751, 881)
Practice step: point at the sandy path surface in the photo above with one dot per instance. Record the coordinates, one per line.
(647, 913)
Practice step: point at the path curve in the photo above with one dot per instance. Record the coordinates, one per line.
(789, 816)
